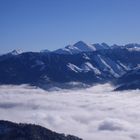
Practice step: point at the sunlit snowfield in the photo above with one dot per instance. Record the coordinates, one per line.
(95, 113)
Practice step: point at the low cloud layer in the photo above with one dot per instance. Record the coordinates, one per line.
(95, 113)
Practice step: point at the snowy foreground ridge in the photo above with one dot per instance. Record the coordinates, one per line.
(94, 113)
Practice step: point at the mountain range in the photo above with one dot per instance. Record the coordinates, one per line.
(80, 62)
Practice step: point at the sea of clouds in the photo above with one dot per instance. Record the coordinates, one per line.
(95, 113)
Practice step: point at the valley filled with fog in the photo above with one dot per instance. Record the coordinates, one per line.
(95, 113)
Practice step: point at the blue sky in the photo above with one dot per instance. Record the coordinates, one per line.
(34, 25)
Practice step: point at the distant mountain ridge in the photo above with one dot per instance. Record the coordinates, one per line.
(95, 63)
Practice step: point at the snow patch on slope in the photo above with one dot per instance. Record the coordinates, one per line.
(106, 66)
(89, 67)
(85, 67)
(74, 68)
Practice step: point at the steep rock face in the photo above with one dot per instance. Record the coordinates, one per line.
(13, 131)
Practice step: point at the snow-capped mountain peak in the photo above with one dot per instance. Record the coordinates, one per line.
(83, 47)
(76, 48)
(16, 52)
(70, 49)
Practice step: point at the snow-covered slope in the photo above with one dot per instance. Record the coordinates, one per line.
(85, 67)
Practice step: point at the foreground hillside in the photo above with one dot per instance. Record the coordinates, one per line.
(13, 131)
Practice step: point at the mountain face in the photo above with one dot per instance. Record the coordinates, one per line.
(13, 131)
(130, 80)
(97, 63)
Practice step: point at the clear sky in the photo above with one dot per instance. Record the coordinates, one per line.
(50, 24)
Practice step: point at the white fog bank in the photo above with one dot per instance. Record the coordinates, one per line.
(95, 113)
